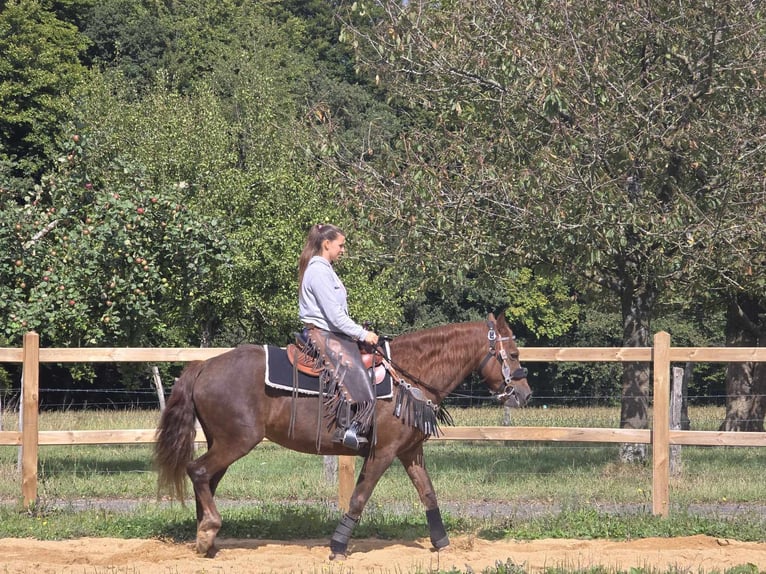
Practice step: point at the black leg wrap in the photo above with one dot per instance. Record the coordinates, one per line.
(439, 537)
(340, 538)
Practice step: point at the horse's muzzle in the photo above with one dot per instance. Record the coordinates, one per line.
(516, 392)
(518, 374)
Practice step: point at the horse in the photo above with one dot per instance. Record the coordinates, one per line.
(229, 396)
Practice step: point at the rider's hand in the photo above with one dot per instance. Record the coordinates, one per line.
(371, 338)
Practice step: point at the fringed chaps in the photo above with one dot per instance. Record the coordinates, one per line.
(349, 392)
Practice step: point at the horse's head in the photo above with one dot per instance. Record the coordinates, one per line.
(501, 369)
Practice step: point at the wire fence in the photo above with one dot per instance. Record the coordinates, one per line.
(67, 399)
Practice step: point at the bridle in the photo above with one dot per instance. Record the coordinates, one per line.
(497, 351)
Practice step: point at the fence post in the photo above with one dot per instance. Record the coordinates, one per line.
(331, 470)
(676, 401)
(158, 386)
(346, 474)
(30, 410)
(661, 425)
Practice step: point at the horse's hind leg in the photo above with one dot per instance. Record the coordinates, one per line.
(208, 518)
(416, 470)
(205, 473)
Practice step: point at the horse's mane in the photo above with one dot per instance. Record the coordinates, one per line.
(432, 353)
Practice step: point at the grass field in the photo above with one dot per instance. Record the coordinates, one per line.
(567, 474)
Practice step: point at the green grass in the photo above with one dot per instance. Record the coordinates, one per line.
(282, 521)
(567, 474)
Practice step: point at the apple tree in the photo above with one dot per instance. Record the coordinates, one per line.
(99, 257)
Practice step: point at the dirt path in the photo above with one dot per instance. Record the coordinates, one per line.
(116, 556)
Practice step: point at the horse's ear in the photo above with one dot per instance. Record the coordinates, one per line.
(501, 317)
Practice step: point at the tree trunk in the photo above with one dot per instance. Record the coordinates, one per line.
(758, 409)
(745, 382)
(634, 414)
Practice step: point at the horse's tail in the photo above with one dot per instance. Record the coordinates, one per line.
(175, 435)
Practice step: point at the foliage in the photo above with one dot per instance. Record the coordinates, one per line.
(621, 183)
(570, 167)
(39, 64)
(103, 258)
(188, 41)
(269, 242)
(593, 135)
(280, 193)
(538, 307)
(319, 37)
(238, 142)
(542, 304)
(130, 36)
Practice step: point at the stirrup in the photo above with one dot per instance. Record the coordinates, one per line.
(352, 440)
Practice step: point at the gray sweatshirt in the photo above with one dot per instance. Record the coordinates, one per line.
(322, 300)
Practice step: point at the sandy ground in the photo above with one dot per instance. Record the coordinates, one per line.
(116, 556)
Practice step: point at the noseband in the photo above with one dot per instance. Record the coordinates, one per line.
(497, 351)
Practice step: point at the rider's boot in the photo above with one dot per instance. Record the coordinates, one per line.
(348, 432)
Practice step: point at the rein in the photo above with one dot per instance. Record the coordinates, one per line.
(413, 406)
(496, 351)
(395, 369)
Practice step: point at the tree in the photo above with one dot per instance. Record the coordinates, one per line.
(319, 37)
(39, 65)
(95, 256)
(130, 36)
(585, 138)
(237, 131)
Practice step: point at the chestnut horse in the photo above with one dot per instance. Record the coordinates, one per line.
(236, 409)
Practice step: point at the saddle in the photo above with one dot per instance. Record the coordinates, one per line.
(307, 364)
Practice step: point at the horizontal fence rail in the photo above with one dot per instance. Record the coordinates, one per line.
(660, 436)
(467, 433)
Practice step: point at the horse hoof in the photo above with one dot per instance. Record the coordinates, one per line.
(202, 549)
(206, 545)
(337, 556)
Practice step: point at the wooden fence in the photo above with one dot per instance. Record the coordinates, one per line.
(659, 436)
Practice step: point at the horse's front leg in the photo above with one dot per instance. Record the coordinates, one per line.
(372, 470)
(416, 470)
